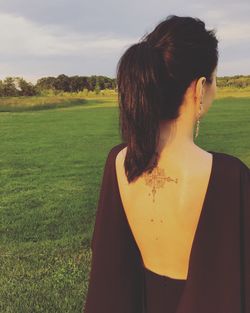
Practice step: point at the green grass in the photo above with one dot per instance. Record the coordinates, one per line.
(61, 100)
(51, 164)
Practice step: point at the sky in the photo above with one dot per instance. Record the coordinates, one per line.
(77, 37)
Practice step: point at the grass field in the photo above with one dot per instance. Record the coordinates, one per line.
(50, 180)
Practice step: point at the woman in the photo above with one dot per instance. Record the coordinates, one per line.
(172, 229)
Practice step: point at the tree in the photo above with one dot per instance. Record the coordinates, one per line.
(9, 87)
(97, 89)
(1, 88)
(62, 83)
(46, 83)
(26, 89)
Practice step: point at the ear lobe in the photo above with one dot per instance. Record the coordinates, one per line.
(202, 88)
(199, 84)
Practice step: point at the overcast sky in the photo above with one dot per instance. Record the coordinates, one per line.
(77, 37)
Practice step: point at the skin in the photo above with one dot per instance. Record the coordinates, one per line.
(163, 210)
(177, 137)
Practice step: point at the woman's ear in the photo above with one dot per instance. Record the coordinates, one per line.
(200, 89)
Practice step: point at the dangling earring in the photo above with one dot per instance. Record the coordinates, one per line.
(198, 121)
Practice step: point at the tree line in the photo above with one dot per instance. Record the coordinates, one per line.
(18, 86)
(238, 81)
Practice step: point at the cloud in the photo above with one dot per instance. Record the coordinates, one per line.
(234, 33)
(237, 66)
(23, 37)
(77, 37)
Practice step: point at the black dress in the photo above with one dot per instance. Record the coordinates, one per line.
(162, 293)
(218, 279)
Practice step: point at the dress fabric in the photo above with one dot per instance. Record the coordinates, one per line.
(162, 293)
(218, 279)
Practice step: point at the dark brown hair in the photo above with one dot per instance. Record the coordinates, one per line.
(152, 78)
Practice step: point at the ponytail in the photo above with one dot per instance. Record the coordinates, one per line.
(152, 78)
(141, 78)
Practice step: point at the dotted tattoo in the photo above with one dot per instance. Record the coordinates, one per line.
(156, 179)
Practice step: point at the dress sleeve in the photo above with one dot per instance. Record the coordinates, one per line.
(116, 276)
(245, 237)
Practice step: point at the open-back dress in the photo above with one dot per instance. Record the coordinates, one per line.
(218, 279)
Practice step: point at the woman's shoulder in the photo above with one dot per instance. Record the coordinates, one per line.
(231, 159)
(226, 161)
(117, 148)
(114, 151)
(109, 164)
(222, 155)
(231, 170)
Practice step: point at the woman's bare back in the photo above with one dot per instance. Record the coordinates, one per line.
(163, 210)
